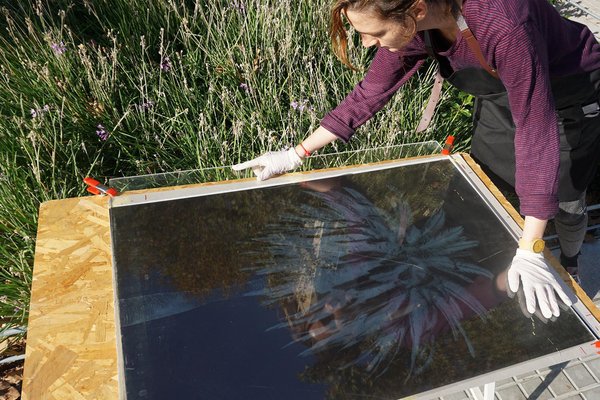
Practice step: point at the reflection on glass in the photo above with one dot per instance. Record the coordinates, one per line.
(355, 277)
(379, 285)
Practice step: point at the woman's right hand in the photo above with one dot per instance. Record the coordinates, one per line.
(271, 163)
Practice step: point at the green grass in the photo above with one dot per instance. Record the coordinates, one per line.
(176, 85)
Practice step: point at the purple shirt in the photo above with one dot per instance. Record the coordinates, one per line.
(528, 43)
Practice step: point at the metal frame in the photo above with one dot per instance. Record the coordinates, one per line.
(472, 384)
(128, 199)
(315, 162)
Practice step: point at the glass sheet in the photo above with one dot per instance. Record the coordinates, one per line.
(375, 285)
(315, 162)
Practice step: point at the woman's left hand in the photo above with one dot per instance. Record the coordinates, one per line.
(540, 282)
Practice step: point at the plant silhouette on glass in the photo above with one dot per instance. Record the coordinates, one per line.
(367, 282)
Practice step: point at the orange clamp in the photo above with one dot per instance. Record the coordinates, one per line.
(96, 187)
(448, 145)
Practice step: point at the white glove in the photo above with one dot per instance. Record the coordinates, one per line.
(540, 282)
(271, 163)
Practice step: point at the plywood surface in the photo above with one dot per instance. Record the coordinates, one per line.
(71, 347)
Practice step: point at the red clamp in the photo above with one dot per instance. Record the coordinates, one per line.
(95, 187)
(448, 145)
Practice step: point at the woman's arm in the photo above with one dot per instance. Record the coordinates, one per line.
(387, 73)
(533, 228)
(316, 140)
(522, 63)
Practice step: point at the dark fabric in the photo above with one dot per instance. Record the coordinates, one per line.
(570, 224)
(494, 130)
(493, 134)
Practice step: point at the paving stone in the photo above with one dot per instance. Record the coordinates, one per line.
(534, 386)
(511, 393)
(589, 17)
(592, 394)
(504, 382)
(580, 376)
(561, 385)
(544, 371)
(594, 366)
(590, 357)
(456, 396)
(524, 377)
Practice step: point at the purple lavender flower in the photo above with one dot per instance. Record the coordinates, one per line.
(300, 105)
(59, 48)
(237, 5)
(166, 65)
(101, 132)
(146, 105)
(38, 112)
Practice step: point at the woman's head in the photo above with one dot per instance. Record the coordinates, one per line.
(383, 23)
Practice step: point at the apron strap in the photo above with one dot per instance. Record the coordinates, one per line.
(434, 97)
(436, 90)
(474, 45)
(428, 44)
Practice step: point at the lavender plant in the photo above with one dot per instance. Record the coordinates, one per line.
(122, 87)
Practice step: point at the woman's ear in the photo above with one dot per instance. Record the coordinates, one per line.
(420, 10)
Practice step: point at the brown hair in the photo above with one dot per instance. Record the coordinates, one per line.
(397, 10)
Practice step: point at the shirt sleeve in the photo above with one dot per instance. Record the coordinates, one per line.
(387, 73)
(522, 63)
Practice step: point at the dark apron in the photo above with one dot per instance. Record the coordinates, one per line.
(492, 144)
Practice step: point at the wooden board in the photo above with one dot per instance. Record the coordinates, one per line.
(71, 345)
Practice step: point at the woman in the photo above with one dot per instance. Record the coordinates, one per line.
(536, 78)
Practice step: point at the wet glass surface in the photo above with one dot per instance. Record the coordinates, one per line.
(375, 285)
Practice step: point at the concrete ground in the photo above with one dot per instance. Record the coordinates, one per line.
(577, 379)
(585, 11)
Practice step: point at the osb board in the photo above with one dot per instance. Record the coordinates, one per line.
(583, 297)
(71, 344)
